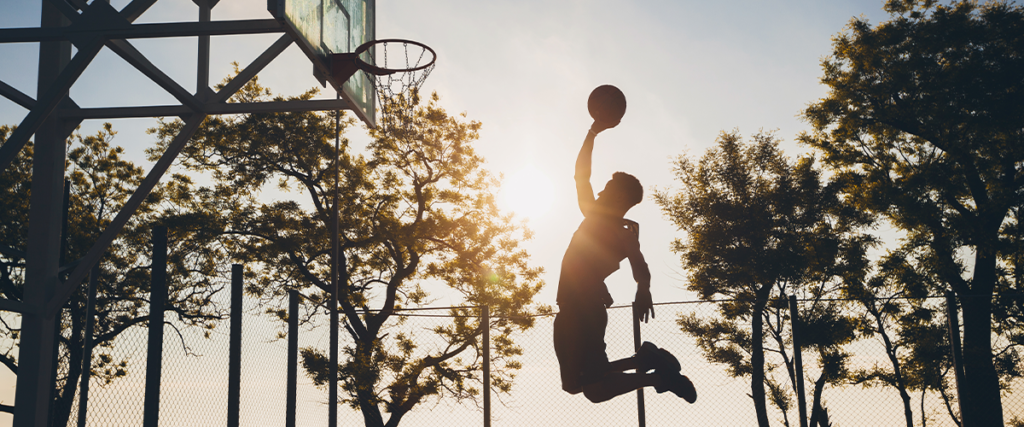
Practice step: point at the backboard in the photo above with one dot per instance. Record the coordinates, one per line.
(326, 27)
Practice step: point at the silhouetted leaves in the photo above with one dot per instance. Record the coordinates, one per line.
(101, 182)
(417, 217)
(756, 229)
(923, 122)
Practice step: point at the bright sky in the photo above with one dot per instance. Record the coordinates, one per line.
(689, 69)
(524, 68)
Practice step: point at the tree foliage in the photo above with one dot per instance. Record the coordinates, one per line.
(101, 180)
(417, 215)
(758, 228)
(923, 119)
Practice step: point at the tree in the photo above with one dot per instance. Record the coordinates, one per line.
(923, 116)
(757, 228)
(418, 214)
(912, 332)
(100, 182)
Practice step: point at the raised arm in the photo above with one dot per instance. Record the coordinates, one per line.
(584, 191)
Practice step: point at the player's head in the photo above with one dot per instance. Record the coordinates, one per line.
(623, 191)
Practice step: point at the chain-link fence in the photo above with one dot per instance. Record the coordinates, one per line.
(195, 378)
(725, 400)
(195, 373)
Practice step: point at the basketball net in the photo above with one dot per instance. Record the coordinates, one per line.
(398, 92)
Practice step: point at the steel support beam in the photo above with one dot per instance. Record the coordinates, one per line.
(51, 118)
(209, 109)
(34, 391)
(54, 94)
(67, 288)
(146, 31)
(132, 55)
(203, 59)
(11, 305)
(64, 8)
(78, 4)
(17, 96)
(135, 9)
(254, 68)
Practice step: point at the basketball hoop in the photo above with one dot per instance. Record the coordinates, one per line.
(398, 75)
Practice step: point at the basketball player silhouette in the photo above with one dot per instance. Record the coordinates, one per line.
(601, 242)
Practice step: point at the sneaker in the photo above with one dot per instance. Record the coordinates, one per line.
(678, 384)
(649, 357)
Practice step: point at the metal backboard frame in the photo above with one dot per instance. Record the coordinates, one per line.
(327, 27)
(52, 116)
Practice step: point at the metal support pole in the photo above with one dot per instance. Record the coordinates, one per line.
(235, 347)
(641, 411)
(485, 324)
(203, 63)
(332, 411)
(957, 351)
(42, 259)
(158, 296)
(798, 361)
(90, 313)
(332, 393)
(293, 357)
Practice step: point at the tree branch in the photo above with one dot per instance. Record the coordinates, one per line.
(9, 362)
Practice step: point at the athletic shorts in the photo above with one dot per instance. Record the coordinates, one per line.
(580, 347)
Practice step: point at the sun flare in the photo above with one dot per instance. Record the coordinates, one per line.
(529, 193)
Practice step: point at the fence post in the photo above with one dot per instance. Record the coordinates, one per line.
(332, 411)
(957, 351)
(798, 360)
(485, 323)
(332, 383)
(293, 356)
(235, 347)
(90, 312)
(640, 410)
(157, 298)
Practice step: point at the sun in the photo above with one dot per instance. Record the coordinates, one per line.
(529, 193)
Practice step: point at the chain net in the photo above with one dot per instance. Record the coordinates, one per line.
(399, 92)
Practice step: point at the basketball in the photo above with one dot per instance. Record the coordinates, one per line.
(607, 104)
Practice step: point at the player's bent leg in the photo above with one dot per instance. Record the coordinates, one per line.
(616, 384)
(649, 357)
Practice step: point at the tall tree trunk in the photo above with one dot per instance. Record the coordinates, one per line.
(396, 417)
(897, 368)
(757, 356)
(364, 386)
(982, 404)
(66, 396)
(817, 412)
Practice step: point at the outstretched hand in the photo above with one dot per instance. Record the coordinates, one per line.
(599, 127)
(643, 305)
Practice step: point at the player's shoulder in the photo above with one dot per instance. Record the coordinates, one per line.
(632, 226)
(629, 234)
